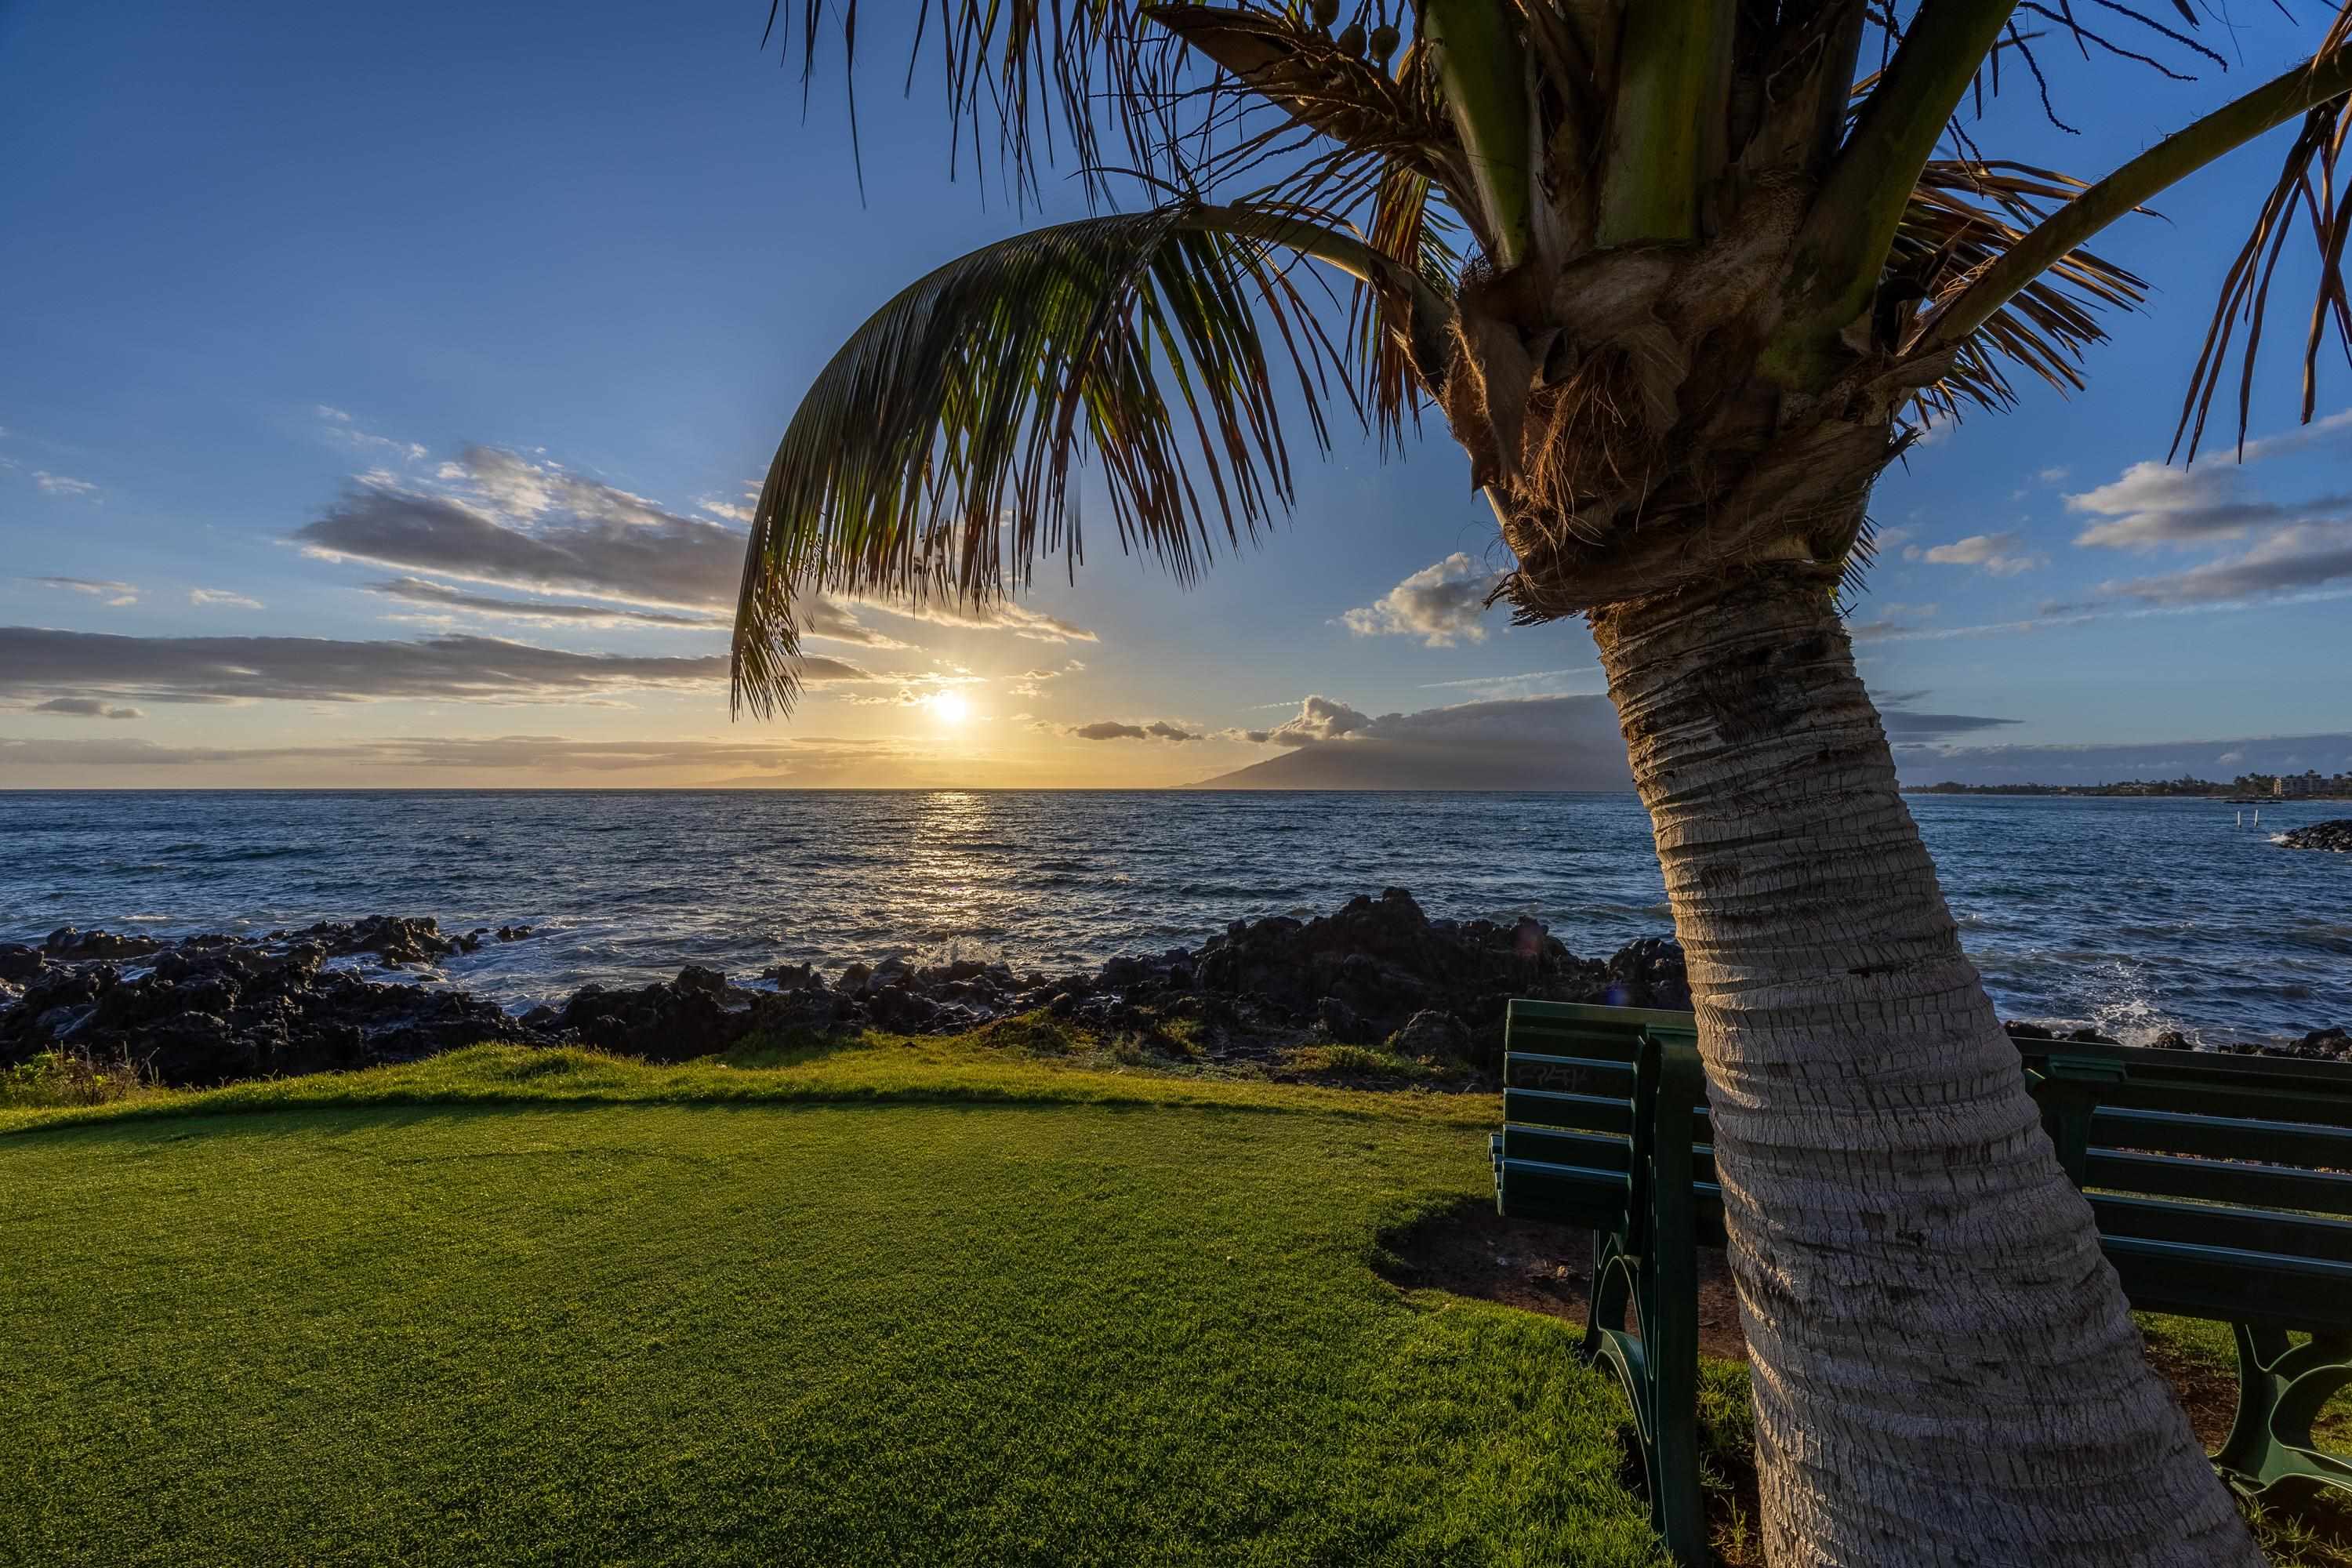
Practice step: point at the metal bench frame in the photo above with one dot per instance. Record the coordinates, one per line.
(1651, 1201)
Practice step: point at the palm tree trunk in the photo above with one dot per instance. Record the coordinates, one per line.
(1944, 1371)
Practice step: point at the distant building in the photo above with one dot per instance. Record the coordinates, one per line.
(2308, 784)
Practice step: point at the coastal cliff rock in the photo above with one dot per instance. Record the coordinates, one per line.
(2319, 1045)
(2335, 836)
(212, 1010)
(1375, 966)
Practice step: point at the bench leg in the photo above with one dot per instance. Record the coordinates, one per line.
(2269, 1455)
(1653, 1264)
(1658, 1369)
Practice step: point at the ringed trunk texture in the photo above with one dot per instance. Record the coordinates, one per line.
(1945, 1371)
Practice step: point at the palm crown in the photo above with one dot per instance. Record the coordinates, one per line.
(1673, 272)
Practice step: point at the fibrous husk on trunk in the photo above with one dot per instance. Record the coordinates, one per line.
(1627, 423)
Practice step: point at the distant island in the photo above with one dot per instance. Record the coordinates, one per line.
(2308, 785)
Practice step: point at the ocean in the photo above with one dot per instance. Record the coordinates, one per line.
(2133, 916)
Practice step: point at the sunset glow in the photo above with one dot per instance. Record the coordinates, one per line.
(948, 706)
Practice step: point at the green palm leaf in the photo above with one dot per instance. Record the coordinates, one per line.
(934, 456)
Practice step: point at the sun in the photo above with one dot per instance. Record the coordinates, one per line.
(949, 707)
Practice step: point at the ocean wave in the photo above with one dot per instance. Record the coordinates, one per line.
(2137, 912)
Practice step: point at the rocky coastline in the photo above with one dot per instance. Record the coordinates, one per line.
(2335, 836)
(1376, 973)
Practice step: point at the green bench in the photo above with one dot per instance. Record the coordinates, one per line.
(2212, 1178)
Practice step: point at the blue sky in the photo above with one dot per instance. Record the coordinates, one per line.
(576, 265)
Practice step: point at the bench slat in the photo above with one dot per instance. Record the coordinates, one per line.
(1571, 1194)
(1524, 1013)
(2174, 1133)
(2219, 1181)
(2229, 1286)
(1596, 1150)
(1585, 1112)
(2314, 1082)
(2263, 1236)
(1545, 1070)
(2201, 1095)
(1574, 1046)
(1596, 1200)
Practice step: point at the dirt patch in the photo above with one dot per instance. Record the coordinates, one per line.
(2207, 1393)
(1539, 1267)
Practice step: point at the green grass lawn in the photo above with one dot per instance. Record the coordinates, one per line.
(522, 1307)
(1006, 1299)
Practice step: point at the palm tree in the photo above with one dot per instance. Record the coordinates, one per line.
(1683, 276)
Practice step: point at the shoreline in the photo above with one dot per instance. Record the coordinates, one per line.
(1376, 977)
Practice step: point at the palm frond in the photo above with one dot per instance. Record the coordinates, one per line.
(1043, 79)
(933, 456)
(1964, 214)
(1020, 70)
(1322, 84)
(1410, 226)
(2311, 179)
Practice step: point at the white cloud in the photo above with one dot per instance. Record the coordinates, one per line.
(2002, 554)
(726, 510)
(62, 485)
(999, 615)
(2153, 503)
(1892, 618)
(528, 755)
(339, 428)
(1517, 685)
(206, 597)
(504, 521)
(419, 591)
(1319, 718)
(1438, 604)
(1112, 729)
(84, 708)
(2319, 432)
(38, 663)
(118, 595)
(2304, 557)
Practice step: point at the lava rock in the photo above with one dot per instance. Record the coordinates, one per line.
(1431, 1034)
(697, 977)
(2336, 836)
(213, 1010)
(66, 946)
(1386, 961)
(1649, 973)
(394, 939)
(1341, 1022)
(2023, 1031)
(668, 1021)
